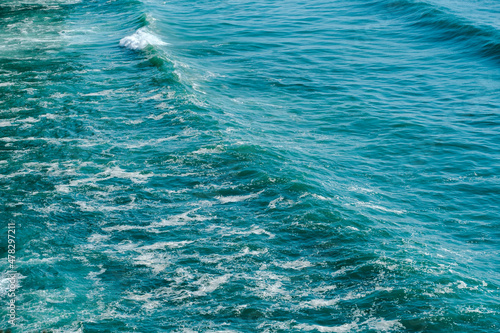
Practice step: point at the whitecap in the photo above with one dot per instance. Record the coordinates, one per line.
(140, 39)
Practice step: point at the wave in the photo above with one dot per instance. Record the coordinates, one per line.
(144, 40)
(446, 26)
(141, 39)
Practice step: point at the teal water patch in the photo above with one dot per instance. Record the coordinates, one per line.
(251, 166)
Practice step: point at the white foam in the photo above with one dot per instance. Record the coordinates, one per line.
(152, 142)
(70, 329)
(97, 238)
(480, 309)
(163, 245)
(324, 289)
(140, 39)
(336, 329)
(175, 220)
(269, 286)
(320, 197)
(247, 251)
(5, 283)
(63, 188)
(29, 120)
(237, 198)
(59, 95)
(259, 231)
(93, 275)
(297, 264)
(382, 325)
(156, 97)
(156, 261)
(380, 208)
(96, 207)
(273, 203)
(123, 228)
(145, 298)
(161, 115)
(134, 122)
(99, 93)
(321, 303)
(164, 106)
(117, 172)
(359, 189)
(181, 219)
(210, 285)
(208, 150)
(5, 124)
(138, 297)
(440, 289)
(377, 324)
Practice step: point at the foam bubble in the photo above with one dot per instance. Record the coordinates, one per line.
(140, 39)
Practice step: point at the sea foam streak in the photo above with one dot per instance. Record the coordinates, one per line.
(140, 39)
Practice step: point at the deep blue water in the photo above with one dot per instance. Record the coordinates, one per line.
(251, 166)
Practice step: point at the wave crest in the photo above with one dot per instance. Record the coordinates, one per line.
(140, 40)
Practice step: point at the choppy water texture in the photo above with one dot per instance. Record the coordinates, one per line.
(251, 166)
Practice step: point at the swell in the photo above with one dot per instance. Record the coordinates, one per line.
(238, 197)
(442, 26)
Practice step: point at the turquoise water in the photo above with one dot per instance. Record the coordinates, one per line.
(251, 166)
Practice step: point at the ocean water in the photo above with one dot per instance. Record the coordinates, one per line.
(251, 165)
